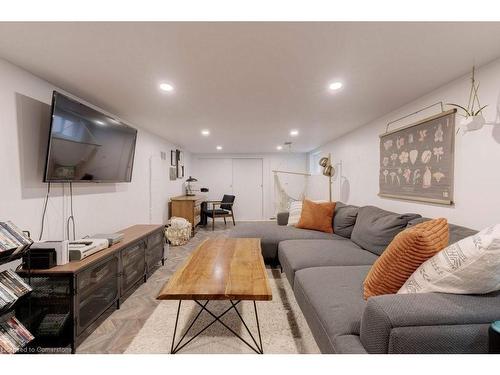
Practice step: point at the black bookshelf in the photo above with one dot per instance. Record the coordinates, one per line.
(14, 290)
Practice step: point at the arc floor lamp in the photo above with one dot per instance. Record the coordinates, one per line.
(328, 171)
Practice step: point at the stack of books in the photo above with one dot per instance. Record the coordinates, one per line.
(12, 239)
(12, 287)
(13, 336)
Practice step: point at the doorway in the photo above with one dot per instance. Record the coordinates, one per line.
(242, 177)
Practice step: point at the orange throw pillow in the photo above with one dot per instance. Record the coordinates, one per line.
(317, 216)
(407, 251)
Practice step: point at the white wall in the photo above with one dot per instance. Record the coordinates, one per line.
(24, 115)
(477, 158)
(294, 162)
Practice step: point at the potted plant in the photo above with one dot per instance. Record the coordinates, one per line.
(473, 118)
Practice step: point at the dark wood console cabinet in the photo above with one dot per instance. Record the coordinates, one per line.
(82, 291)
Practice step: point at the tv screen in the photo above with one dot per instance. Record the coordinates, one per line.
(86, 145)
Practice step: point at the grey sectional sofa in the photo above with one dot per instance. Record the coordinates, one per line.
(326, 272)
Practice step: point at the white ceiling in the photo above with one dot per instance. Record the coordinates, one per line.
(249, 83)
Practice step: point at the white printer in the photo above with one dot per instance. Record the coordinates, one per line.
(85, 247)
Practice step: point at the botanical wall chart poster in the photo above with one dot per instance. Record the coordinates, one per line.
(416, 161)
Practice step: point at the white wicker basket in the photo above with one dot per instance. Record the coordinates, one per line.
(179, 231)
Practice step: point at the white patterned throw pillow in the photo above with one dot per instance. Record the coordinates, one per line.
(294, 211)
(469, 266)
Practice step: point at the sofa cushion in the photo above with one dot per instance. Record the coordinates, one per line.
(375, 228)
(271, 234)
(317, 216)
(407, 251)
(295, 211)
(299, 254)
(344, 219)
(456, 232)
(331, 299)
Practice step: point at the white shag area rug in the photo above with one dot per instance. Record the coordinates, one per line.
(282, 325)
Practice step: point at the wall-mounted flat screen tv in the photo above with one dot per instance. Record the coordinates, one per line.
(86, 145)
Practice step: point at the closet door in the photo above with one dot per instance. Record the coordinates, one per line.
(247, 187)
(216, 174)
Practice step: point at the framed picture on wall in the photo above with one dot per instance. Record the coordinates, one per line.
(416, 161)
(179, 171)
(180, 157)
(173, 158)
(173, 173)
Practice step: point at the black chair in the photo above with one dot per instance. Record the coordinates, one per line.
(225, 209)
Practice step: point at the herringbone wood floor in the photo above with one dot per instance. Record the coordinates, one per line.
(115, 330)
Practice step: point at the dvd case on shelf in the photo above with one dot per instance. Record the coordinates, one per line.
(12, 287)
(12, 239)
(13, 336)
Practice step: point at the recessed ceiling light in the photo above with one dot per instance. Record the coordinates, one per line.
(219, 148)
(279, 148)
(335, 86)
(294, 133)
(205, 132)
(166, 87)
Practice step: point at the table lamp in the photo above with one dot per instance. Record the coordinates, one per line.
(189, 188)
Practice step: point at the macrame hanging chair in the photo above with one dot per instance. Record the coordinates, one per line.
(282, 199)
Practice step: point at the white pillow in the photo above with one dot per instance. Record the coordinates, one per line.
(469, 266)
(294, 211)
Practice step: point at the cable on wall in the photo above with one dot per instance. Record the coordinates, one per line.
(71, 218)
(150, 189)
(45, 203)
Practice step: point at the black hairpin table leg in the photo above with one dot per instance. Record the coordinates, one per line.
(175, 328)
(216, 318)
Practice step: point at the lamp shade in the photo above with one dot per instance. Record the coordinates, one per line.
(323, 162)
(328, 171)
(191, 179)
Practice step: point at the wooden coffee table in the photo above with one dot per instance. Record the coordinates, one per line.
(220, 269)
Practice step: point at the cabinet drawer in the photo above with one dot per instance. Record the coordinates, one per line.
(131, 276)
(97, 289)
(133, 263)
(154, 256)
(131, 254)
(155, 239)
